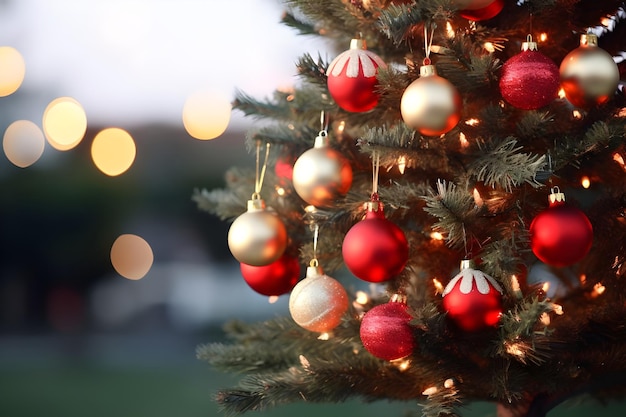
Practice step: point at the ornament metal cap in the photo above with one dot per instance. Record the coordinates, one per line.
(427, 70)
(314, 270)
(256, 204)
(467, 264)
(588, 39)
(321, 140)
(529, 45)
(358, 44)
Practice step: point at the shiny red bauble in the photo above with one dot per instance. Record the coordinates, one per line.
(277, 278)
(375, 249)
(529, 80)
(352, 78)
(478, 10)
(386, 331)
(472, 299)
(561, 235)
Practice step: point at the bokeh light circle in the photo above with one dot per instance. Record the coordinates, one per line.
(12, 70)
(206, 115)
(113, 151)
(64, 123)
(23, 143)
(131, 256)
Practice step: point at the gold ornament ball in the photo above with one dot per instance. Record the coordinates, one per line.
(318, 302)
(431, 104)
(257, 237)
(589, 75)
(320, 175)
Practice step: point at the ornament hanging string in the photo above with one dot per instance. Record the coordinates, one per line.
(375, 171)
(316, 231)
(258, 182)
(323, 122)
(428, 42)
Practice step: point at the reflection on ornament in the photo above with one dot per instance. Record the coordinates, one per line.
(386, 331)
(257, 237)
(472, 299)
(321, 174)
(352, 78)
(589, 75)
(375, 249)
(529, 80)
(561, 235)
(318, 302)
(431, 104)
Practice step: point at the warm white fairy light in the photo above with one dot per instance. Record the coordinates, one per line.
(272, 299)
(402, 364)
(620, 160)
(438, 286)
(436, 236)
(545, 319)
(472, 122)
(478, 200)
(545, 287)
(430, 391)
(362, 298)
(585, 182)
(576, 114)
(341, 127)
(542, 37)
(280, 191)
(561, 93)
(323, 336)
(463, 140)
(558, 309)
(401, 164)
(489, 47)
(448, 383)
(598, 290)
(582, 278)
(449, 30)
(514, 349)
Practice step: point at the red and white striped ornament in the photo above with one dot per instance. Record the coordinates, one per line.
(352, 78)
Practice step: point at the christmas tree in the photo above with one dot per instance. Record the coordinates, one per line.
(466, 160)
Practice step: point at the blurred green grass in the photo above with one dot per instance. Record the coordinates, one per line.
(79, 390)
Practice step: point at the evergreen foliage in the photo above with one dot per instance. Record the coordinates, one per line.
(545, 349)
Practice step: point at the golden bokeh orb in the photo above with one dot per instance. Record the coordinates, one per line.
(113, 151)
(131, 256)
(64, 123)
(12, 70)
(206, 115)
(23, 143)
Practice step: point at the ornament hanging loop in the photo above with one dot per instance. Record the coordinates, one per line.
(260, 171)
(375, 172)
(428, 41)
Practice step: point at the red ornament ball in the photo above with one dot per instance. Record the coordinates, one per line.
(277, 278)
(472, 299)
(386, 331)
(375, 249)
(561, 235)
(477, 10)
(352, 78)
(529, 80)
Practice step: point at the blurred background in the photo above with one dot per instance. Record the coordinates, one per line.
(79, 336)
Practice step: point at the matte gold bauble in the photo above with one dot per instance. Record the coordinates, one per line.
(321, 174)
(431, 104)
(589, 75)
(318, 302)
(257, 237)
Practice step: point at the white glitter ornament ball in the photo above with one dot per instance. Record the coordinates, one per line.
(318, 302)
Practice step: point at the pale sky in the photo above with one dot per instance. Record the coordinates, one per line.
(138, 60)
